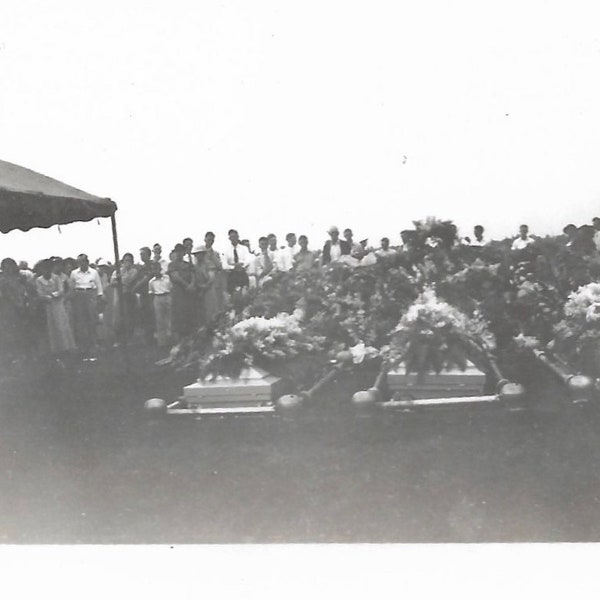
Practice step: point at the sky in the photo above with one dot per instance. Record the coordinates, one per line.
(293, 116)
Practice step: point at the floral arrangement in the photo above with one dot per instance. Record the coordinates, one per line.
(434, 335)
(534, 308)
(577, 335)
(258, 341)
(433, 233)
(389, 306)
(344, 305)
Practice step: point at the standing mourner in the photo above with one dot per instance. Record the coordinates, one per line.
(356, 250)
(51, 290)
(146, 312)
(214, 298)
(159, 290)
(124, 314)
(236, 262)
(26, 271)
(157, 257)
(58, 268)
(334, 248)
(570, 231)
(523, 240)
(202, 283)
(188, 244)
(288, 253)
(385, 251)
(87, 291)
(263, 265)
(478, 240)
(106, 328)
(275, 253)
(16, 300)
(70, 264)
(183, 294)
(584, 243)
(304, 258)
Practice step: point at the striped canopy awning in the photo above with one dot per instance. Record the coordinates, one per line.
(29, 199)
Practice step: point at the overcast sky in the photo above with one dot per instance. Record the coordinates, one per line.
(277, 116)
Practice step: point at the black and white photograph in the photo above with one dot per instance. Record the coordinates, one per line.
(299, 273)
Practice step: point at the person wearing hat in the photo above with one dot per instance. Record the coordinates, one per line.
(334, 248)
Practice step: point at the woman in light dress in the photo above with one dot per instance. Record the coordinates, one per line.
(51, 290)
(124, 320)
(214, 295)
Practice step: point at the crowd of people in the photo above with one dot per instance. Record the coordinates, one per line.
(73, 308)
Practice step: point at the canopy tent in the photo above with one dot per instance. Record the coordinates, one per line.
(29, 199)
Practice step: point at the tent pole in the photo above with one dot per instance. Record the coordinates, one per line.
(113, 223)
(121, 308)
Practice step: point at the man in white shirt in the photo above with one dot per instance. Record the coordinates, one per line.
(385, 249)
(356, 250)
(159, 289)
(26, 272)
(334, 248)
(275, 253)
(157, 257)
(262, 266)
(288, 253)
(478, 241)
(523, 240)
(87, 290)
(236, 260)
(188, 244)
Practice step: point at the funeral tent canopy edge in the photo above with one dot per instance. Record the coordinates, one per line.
(29, 199)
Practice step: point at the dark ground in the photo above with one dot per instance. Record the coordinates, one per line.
(81, 462)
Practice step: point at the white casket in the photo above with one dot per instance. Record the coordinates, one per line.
(446, 384)
(254, 390)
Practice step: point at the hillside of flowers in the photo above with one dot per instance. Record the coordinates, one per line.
(424, 307)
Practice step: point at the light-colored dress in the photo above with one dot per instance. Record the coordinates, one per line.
(124, 320)
(60, 334)
(214, 296)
